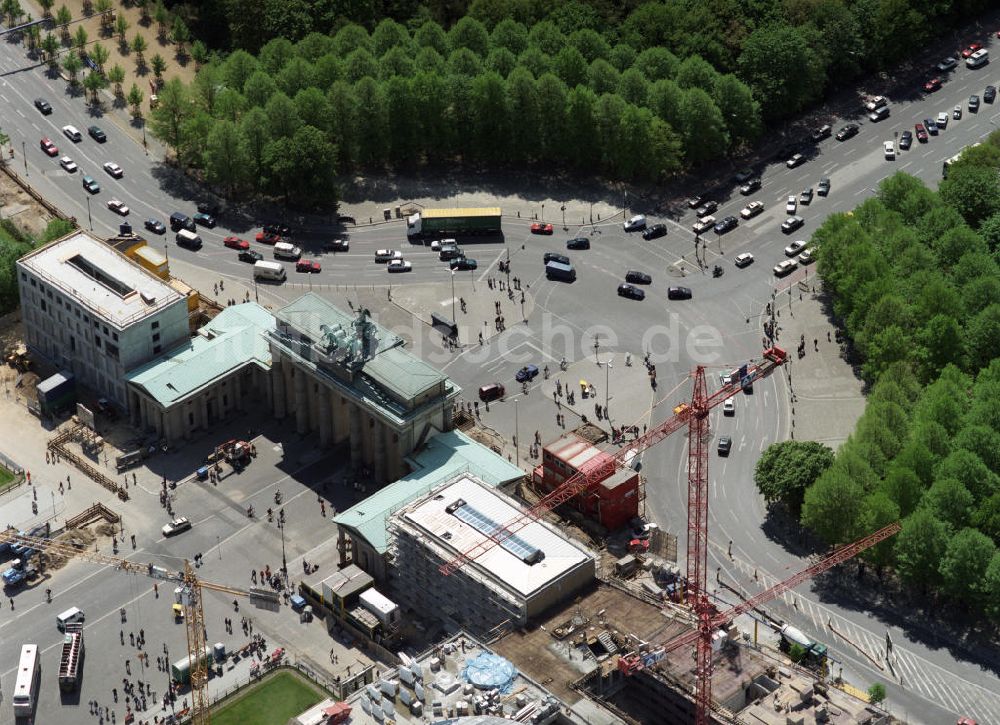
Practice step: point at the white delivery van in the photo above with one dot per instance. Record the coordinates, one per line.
(271, 271)
(187, 238)
(70, 616)
(286, 250)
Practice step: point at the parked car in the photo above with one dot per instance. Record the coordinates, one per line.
(956, 112)
(905, 140)
(795, 247)
(942, 120)
(695, 201)
(752, 209)
(703, 225)
(114, 169)
(336, 245)
(971, 49)
(208, 207)
(879, 114)
(635, 223)
(848, 131)
(947, 64)
(931, 127)
(822, 132)
(204, 220)
(707, 208)
(791, 205)
(97, 134)
(796, 160)
(806, 196)
(655, 231)
(44, 106)
(91, 185)
(990, 94)
(755, 183)
(631, 291)
(267, 238)
(786, 267)
(155, 226)
(934, 84)
(118, 206)
(635, 277)
(282, 230)
(250, 255)
(526, 374)
(176, 526)
(578, 243)
(791, 224)
(823, 188)
(876, 102)
(492, 391)
(806, 257)
(236, 243)
(974, 104)
(742, 176)
(540, 228)
(678, 293)
(890, 150)
(743, 260)
(921, 132)
(726, 224)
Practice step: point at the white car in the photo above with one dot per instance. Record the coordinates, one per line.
(398, 265)
(956, 112)
(786, 267)
(176, 526)
(387, 255)
(743, 260)
(67, 163)
(890, 150)
(635, 223)
(752, 209)
(791, 205)
(703, 225)
(942, 119)
(876, 103)
(795, 247)
(118, 206)
(806, 257)
(114, 169)
(729, 407)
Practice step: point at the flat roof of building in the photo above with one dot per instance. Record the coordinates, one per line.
(442, 680)
(442, 457)
(231, 340)
(577, 452)
(102, 280)
(389, 367)
(349, 580)
(459, 515)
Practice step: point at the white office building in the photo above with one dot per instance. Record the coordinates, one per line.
(91, 310)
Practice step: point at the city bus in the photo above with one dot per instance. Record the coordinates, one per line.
(954, 159)
(26, 687)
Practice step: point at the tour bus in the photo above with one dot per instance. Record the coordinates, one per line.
(26, 686)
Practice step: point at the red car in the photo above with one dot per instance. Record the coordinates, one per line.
(932, 85)
(539, 228)
(49, 147)
(921, 133)
(971, 49)
(236, 243)
(307, 265)
(268, 238)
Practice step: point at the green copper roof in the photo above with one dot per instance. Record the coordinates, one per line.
(233, 339)
(445, 456)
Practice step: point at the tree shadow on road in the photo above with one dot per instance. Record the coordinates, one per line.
(783, 528)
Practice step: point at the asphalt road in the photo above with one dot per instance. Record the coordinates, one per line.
(568, 317)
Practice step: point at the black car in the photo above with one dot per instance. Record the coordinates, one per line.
(205, 220)
(555, 257)
(806, 197)
(633, 293)
(743, 176)
(679, 293)
(638, 277)
(44, 106)
(931, 127)
(726, 224)
(578, 243)
(848, 131)
(821, 133)
(990, 94)
(657, 230)
(791, 224)
(250, 255)
(463, 264)
(97, 134)
(695, 201)
(707, 208)
(725, 445)
(209, 207)
(905, 139)
(281, 230)
(751, 186)
(155, 226)
(974, 104)
(336, 245)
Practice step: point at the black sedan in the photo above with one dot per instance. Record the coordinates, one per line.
(726, 224)
(791, 224)
(250, 255)
(44, 106)
(906, 139)
(631, 291)
(751, 186)
(679, 293)
(657, 230)
(463, 264)
(155, 226)
(849, 131)
(578, 243)
(635, 277)
(203, 219)
(281, 230)
(707, 208)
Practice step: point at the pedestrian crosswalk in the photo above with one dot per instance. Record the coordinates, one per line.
(849, 640)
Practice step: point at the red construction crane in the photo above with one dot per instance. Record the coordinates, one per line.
(695, 416)
(709, 622)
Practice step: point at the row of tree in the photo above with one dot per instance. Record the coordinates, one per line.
(915, 278)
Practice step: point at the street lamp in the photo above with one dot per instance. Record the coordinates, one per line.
(284, 561)
(24, 155)
(607, 368)
(517, 454)
(89, 217)
(453, 318)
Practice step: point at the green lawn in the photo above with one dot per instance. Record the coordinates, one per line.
(273, 702)
(6, 478)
